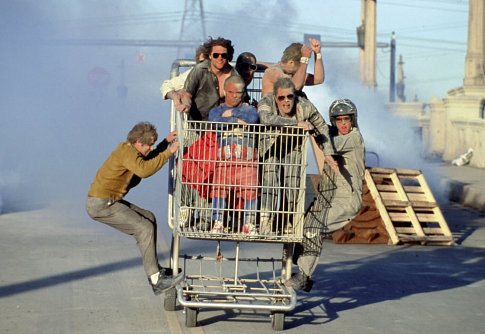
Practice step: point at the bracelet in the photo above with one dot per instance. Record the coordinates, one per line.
(304, 60)
(319, 55)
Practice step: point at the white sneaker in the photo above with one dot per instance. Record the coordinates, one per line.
(218, 227)
(249, 229)
(265, 225)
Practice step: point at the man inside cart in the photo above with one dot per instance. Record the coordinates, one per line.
(203, 90)
(123, 169)
(293, 64)
(204, 86)
(246, 66)
(236, 168)
(282, 108)
(339, 196)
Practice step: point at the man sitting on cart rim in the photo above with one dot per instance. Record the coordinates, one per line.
(339, 197)
(293, 65)
(236, 168)
(283, 108)
(204, 87)
(127, 164)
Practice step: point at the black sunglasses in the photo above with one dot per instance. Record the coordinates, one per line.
(290, 97)
(217, 54)
(248, 66)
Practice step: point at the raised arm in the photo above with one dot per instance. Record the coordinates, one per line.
(300, 76)
(319, 71)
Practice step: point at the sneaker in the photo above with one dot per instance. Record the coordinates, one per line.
(288, 229)
(165, 281)
(308, 286)
(249, 229)
(299, 281)
(202, 226)
(265, 225)
(218, 227)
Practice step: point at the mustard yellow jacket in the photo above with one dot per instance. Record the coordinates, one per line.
(124, 169)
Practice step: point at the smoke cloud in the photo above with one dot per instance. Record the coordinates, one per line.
(66, 106)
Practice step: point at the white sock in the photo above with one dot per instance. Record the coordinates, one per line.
(154, 278)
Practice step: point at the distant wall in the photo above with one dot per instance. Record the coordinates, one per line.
(449, 127)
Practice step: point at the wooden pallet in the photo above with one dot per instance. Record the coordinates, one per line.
(407, 206)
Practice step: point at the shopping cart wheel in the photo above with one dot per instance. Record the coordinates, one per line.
(278, 321)
(191, 316)
(170, 301)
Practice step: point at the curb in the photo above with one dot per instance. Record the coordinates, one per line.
(465, 194)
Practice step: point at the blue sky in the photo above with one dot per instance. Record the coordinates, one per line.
(431, 34)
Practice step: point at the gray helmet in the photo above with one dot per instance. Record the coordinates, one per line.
(342, 107)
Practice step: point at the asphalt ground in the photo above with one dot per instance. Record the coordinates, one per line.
(62, 272)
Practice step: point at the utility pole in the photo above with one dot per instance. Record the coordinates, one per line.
(392, 79)
(193, 26)
(475, 56)
(367, 41)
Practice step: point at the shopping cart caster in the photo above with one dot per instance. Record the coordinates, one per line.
(278, 321)
(170, 301)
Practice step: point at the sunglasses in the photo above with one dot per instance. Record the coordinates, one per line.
(217, 54)
(290, 97)
(343, 119)
(248, 66)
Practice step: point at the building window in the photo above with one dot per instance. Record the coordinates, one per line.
(482, 110)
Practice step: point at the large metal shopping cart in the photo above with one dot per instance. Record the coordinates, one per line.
(236, 186)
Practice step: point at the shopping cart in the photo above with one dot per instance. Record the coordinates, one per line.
(232, 186)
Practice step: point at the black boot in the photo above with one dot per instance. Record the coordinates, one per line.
(298, 281)
(308, 286)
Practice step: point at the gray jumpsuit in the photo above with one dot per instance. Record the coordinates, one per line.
(338, 201)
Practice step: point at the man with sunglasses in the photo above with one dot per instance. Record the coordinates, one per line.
(246, 66)
(339, 197)
(204, 86)
(204, 90)
(293, 64)
(282, 108)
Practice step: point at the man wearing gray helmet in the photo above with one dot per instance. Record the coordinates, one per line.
(339, 196)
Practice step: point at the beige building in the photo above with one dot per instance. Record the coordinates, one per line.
(457, 122)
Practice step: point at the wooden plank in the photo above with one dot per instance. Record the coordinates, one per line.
(436, 210)
(415, 204)
(409, 212)
(408, 189)
(382, 209)
(428, 231)
(413, 197)
(409, 208)
(399, 171)
(390, 196)
(422, 217)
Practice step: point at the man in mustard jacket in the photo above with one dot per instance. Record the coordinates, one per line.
(131, 161)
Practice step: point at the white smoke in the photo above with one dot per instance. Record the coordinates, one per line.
(62, 113)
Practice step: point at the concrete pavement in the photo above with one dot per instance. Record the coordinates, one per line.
(61, 272)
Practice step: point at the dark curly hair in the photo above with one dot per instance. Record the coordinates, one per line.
(221, 42)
